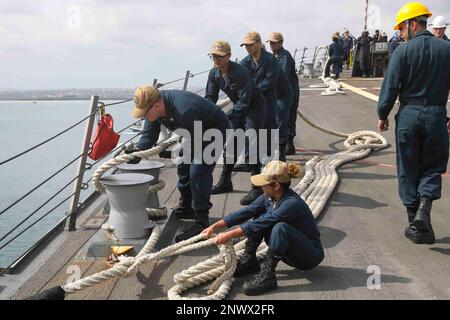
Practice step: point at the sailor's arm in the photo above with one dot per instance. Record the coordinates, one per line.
(212, 88)
(150, 135)
(244, 93)
(223, 237)
(331, 50)
(390, 89)
(290, 67)
(272, 73)
(214, 227)
(252, 211)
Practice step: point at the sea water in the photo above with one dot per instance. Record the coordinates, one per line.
(24, 124)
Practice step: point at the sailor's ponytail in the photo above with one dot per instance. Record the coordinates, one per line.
(295, 170)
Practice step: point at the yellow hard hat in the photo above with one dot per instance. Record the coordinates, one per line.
(411, 10)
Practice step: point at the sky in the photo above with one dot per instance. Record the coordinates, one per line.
(59, 44)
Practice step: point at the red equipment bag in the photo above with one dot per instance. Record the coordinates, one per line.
(105, 139)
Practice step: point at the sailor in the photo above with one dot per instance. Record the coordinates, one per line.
(336, 54)
(347, 43)
(439, 26)
(182, 109)
(282, 219)
(249, 105)
(376, 36)
(419, 73)
(394, 43)
(363, 53)
(379, 54)
(276, 41)
(265, 71)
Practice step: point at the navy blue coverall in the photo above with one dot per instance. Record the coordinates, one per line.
(249, 105)
(363, 54)
(419, 72)
(336, 53)
(285, 95)
(182, 109)
(288, 66)
(393, 44)
(347, 45)
(265, 74)
(288, 228)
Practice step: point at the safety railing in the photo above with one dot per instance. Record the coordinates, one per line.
(78, 181)
(25, 225)
(313, 58)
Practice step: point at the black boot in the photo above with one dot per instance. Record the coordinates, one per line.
(290, 148)
(251, 196)
(411, 231)
(225, 184)
(248, 263)
(422, 221)
(282, 156)
(415, 236)
(184, 209)
(266, 279)
(201, 223)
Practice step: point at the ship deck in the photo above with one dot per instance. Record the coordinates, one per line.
(362, 225)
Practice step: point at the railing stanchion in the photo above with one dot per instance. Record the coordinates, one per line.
(314, 56)
(71, 222)
(302, 61)
(186, 80)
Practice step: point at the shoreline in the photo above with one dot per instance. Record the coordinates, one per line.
(60, 99)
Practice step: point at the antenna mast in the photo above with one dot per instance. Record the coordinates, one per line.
(365, 19)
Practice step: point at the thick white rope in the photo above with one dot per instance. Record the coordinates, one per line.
(208, 271)
(158, 213)
(315, 125)
(124, 158)
(315, 188)
(332, 86)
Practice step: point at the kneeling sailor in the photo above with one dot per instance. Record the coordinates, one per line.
(282, 219)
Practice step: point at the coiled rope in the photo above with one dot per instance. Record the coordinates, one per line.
(331, 86)
(315, 188)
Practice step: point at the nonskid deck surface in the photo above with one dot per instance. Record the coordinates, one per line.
(361, 226)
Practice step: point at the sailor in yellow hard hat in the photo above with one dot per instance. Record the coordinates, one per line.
(419, 73)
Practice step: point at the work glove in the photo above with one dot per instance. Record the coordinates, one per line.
(166, 155)
(136, 159)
